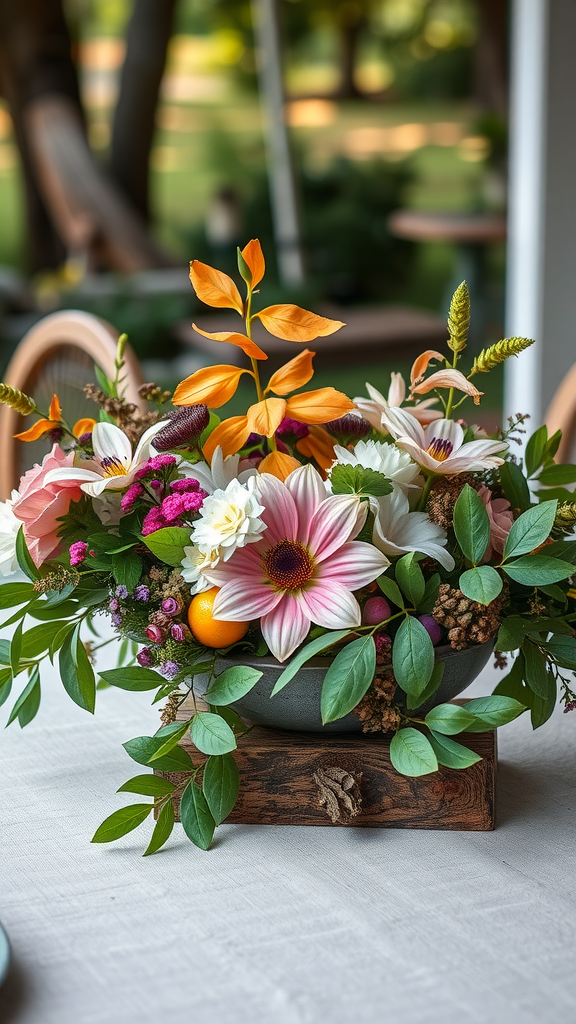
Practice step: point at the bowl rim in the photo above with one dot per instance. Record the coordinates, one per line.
(267, 661)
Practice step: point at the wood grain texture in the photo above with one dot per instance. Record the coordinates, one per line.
(277, 784)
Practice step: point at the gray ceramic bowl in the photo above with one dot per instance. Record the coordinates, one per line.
(297, 706)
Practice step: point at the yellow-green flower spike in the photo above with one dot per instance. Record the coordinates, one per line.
(459, 318)
(17, 400)
(498, 353)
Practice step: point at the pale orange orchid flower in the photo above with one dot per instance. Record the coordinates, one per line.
(43, 426)
(249, 347)
(279, 464)
(420, 365)
(215, 288)
(448, 379)
(211, 385)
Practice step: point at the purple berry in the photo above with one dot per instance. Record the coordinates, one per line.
(375, 610)
(433, 628)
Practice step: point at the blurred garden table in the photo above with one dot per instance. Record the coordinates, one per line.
(278, 924)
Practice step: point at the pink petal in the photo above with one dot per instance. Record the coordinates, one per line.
(448, 430)
(334, 522)
(240, 600)
(447, 379)
(330, 604)
(308, 490)
(285, 628)
(280, 514)
(355, 565)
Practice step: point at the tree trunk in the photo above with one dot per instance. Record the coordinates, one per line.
(134, 119)
(349, 37)
(491, 57)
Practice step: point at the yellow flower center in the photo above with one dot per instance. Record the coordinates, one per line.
(112, 466)
(440, 448)
(288, 565)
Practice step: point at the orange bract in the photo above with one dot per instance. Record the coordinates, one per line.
(319, 446)
(43, 426)
(420, 365)
(254, 258)
(212, 385)
(55, 410)
(278, 464)
(265, 417)
(319, 406)
(292, 375)
(210, 631)
(231, 435)
(240, 340)
(85, 426)
(292, 323)
(215, 288)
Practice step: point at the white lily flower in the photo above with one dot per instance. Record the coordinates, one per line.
(9, 527)
(219, 474)
(398, 531)
(229, 519)
(384, 458)
(113, 466)
(440, 448)
(376, 406)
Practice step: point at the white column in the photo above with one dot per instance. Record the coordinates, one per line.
(541, 288)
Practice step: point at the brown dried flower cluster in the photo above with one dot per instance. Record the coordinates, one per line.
(466, 621)
(127, 416)
(375, 710)
(443, 497)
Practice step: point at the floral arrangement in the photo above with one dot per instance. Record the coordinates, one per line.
(370, 530)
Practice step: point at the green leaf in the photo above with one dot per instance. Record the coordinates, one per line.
(357, 480)
(133, 677)
(553, 444)
(348, 678)
(321, 643)
(452, 754)
(391, 590)
(471, 524)
(556, 593)
(449, 719)
(195, 816)
(512, 684)
(27, 704)
(535, 672)
(105, 384)
(16, 649)
(234, 721)
(481, 584)
(515, 485)
(530, 530)
(39, 638)
(431, 589)
(86, 678)
(411, 753)
(121, 822)
(162, 829)
(563, 650)
(168, 544)
(511, 633)
(413, 702)
(535, 450)
(127, 569)
(493, 711)
(412, 656)
(148, 785)
(12, 594)
(235, 682)
(533, 570)
(44, 610)
(565, 549)
(220, 785)
(557, 476)
(77, 680)
(542, 707)
(211, 734)
(410, 578)
(142, 748)
(24, 557)
(243, 268)
(5, 685)
(59, 638)
(173, 738)
(4, 652)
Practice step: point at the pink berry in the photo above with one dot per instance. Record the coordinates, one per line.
(375, 610)
(432, 627)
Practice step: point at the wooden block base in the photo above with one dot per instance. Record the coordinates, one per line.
(280, 774)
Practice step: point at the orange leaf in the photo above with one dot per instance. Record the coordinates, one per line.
(240, 340)
(85, 426)
(420, 365)
(292, 375)
(265, 417)
(254, 257)
(319, 406)
(212, 385)
(231, 435)
(292, 323)
(215, 288)
(279, 465)
(36, 431)
(319, 446)
(55, 410)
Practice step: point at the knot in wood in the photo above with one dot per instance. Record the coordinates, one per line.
(339, 793)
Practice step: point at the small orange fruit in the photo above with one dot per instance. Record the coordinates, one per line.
(210, 631)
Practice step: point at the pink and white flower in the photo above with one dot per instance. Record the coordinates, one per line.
(304, 568)
(501, 519)
(113, 467)
(376, 406)
(440, 447)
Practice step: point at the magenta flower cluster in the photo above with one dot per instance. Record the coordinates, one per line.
(78, 552)
(156, 463)
(174, 508)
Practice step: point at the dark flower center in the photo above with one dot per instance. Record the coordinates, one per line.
(288, 565)
(440, 448)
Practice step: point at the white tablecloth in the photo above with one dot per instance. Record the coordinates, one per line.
(283, 925)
